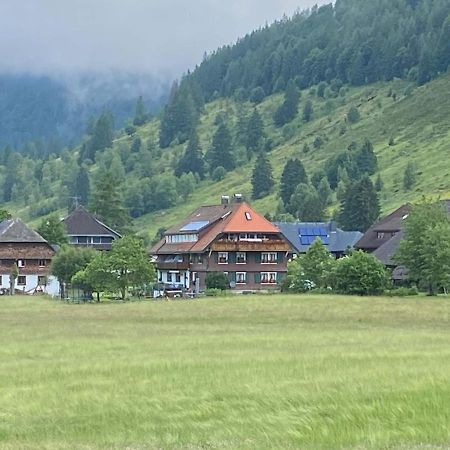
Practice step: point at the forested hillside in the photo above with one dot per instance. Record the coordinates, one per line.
(319, 115)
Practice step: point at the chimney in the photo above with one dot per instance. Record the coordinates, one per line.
(238, 198)
(225, 200)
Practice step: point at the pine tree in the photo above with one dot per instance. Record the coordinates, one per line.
(289, 108)
(324, 192)
(410, 175)
(82, 185)
(360, 206)
(306, 204)
(366, 159)
(308, 111)
(106, 202)
(221, 152)
(52, 229)
(378, 183)
(192, 160)
(140, 113)
(293, 174)
(255, 133)
(262, 180)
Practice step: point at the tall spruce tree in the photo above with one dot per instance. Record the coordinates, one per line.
(360, 206)
(293, 174)
(305, 204)
(366, 159)
(140, 112)
(221, 152)
(82, 185)
(107, 203)
(255, 133)
(192, 159)
(289, 108)
(262, 179)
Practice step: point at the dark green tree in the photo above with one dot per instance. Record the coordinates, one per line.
(140, 112)
(353, 115)
(409, 176)
(192, 159)
(107, 203)
(366, 159)
(53, 230)
(289, 108)
(221, 152)
(305, 204)
(379, 183)
(293, 174)
(255, 133)
(308, 111)
(360, 206)
(262, 179)
(82, 185)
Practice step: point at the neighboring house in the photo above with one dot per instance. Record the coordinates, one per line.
(85, 230)
(383, 239)
(230, 238)
(31, 253)
(302, 234)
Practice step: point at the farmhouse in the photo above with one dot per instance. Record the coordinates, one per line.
(230, 238)
(32, 255)
(302, 234)
(384, 237)
(85, 230)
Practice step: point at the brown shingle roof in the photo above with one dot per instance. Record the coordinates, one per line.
(82, 223)
(14, 230)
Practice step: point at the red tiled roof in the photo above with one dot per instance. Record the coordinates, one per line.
(246, 220)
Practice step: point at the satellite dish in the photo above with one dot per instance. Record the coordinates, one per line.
(232, 284)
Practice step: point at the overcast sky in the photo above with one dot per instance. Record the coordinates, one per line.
(163, 37)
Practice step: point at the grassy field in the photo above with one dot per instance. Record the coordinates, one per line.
(249, 372)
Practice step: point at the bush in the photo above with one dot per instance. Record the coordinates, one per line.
(217, 280)
(360, 274)
(353, 115)
(402, 292)
(218, 173)
(257, 95)
(215, 293)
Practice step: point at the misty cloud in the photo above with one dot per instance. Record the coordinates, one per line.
(162, 37)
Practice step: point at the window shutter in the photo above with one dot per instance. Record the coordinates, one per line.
(280, 257)
(258, 257)
(216, 257)
(232, 257)
(232, 276)
(257, 277)
(280, 276)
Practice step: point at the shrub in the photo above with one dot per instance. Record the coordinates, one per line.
(215, 292)
(360, 274)
(218, 173)
(353, 115)
(402, 292)
(217, 280)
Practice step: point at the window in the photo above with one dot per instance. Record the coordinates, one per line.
(178, 238)
(20, 263)
(268, 277)
(380, 235)
(42, 262)
(82, 239)
(269, 258)
(96, 239)
(241, 257)
(241, 277)
(42, 280)
(106, 240)
(21, 280)
(177, 278)
(169, 278)
(248, 216)
(199, 259)
(223, 258)
(1, 282)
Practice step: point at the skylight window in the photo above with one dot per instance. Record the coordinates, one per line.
(195, 226)
(248, 216)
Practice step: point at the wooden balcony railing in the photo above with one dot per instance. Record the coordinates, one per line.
(172, 265)
(247, 246)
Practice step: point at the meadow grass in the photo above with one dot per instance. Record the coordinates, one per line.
(249, 372)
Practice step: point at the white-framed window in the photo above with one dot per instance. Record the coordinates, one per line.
(21, 280)
(269, 258)
(169, 277)
(179, 238)
(42, 280)
(268, 277)
(20, 263)
(223, 258)
(241, 258)
(177, 278)
(42, 262)
(241, 277)
(380, 235)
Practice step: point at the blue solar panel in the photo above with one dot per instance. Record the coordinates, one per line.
(325, 240)
(304, 240)
(195, 226)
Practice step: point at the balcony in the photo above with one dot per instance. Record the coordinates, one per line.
(172, 265)
(250, 246)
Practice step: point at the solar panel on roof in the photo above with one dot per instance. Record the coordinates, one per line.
(195, 226)
(304, 240)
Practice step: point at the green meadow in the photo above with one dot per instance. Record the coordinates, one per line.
(247, 372)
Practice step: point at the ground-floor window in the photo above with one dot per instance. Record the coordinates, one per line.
(42, 280)
(241, 277)
(21, 280)
(268, 277)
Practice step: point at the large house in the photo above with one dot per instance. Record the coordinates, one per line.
(230, 238)
(383, 239)
(32, 255)
(302, 234)
(85, 230)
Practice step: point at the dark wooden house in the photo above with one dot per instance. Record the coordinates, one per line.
(85, 230)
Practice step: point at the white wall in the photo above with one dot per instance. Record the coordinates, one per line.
(52, 287)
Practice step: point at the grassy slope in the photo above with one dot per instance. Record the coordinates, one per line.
(419, 123)
(243, 373)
